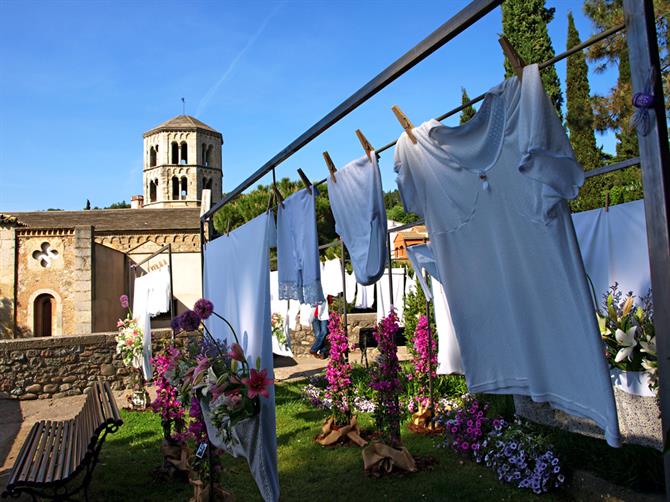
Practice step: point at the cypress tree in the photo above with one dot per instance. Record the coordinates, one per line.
(468, 112)
(580, 113)
(525, 26)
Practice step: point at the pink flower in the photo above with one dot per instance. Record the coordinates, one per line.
(124, 301)
(236, 352)
(257, 383)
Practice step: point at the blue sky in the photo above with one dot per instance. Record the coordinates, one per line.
(80, 81)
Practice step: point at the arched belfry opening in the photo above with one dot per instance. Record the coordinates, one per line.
(153, 189)
(183, 148)
(175, 188)
(184, 188)
(174, 151)
(152, 157)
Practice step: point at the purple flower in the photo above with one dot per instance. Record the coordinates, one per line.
(189, 321)
(203, 308)
(175, 324)
(124, 301)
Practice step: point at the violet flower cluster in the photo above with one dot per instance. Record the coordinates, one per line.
(522, 459)
(467, 427)
(386, 382)
(338, 372)
(167, 403)
(316, 396)
(424, 358)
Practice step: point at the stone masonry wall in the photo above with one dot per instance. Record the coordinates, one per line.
(303, 338)
(40, 368)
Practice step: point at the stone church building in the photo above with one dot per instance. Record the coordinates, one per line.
(62, 272)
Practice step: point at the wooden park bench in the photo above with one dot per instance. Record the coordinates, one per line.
(56, 452)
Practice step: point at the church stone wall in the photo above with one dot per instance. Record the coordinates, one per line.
(7, 291)
(57, 262)
(41, 368)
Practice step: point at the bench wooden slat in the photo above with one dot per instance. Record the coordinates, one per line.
(56, 452)
(112, 403)
(38, 460)
(65, 452)
(25, 457)
(47, 453)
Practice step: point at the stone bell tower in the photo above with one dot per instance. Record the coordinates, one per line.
(181, 158)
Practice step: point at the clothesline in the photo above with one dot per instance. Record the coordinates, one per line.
(270, 166)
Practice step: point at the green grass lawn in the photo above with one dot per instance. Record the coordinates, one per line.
(308, 471)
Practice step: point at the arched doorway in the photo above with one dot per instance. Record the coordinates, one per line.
(44, 309)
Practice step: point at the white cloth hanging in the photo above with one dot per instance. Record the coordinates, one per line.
(350, 281)
(280, 307)
(357, 202)
(365, 296)
(613, 244)
(448, 351)
(306, 315)
(151, 297)
(331, 277)
(493, 195)
(298, 249)
(293, 314)
(237, 281)
(384, 299)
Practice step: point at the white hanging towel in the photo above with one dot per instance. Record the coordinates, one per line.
(448, 352)
(280, 307)
(350, 281)
(613, 244)
(293, 315)
(365, 296)
(151, 297)
(237, 281)
(384, 297)
(357, 201)
(306, 315)
(331, 277)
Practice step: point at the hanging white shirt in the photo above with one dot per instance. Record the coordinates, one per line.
(384, 299)
(365, 296)
(331, 277)
(350, 281)
(493, 194)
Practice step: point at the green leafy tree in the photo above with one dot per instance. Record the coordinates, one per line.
(525, 26)
(613, 111)
(580, 113)
(469, 111)
(118, 205)
(395, 210)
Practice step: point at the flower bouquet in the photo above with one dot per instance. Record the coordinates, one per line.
(341, 426)
(219, 378)
(129, 345)
(278, 327)
(629, 335)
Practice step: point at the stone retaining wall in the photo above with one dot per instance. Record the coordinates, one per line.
(40, 368)
(303, 338)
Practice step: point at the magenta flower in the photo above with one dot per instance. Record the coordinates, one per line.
(203, 308)
(236, 352)
(175, 324)
(124, 301)
(257, 383)
(189, 321)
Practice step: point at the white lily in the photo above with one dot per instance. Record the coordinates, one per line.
(649, 347)
(627, 340)
(650, 366)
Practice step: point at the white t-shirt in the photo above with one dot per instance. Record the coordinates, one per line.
(492, 192)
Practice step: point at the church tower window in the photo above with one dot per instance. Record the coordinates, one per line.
(184, 187)
(153, 185)
(184, 153)
(208, 156)
(174, 146)
(175, 188)
(152, 157)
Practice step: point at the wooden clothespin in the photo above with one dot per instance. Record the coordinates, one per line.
(278, 196)
(305, 180)
(228, 227)
(365, 144)
(331, 166)
(607, 201)
(404, 122)
(512, 55)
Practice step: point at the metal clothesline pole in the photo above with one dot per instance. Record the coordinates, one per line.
(458, 23)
